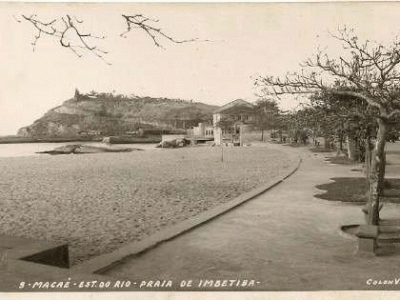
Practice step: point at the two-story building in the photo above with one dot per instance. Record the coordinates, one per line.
(232, 121)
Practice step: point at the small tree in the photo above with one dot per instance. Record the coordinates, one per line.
(267, 113)
(302, 123)
(77, 95)
(344, 116)
(226, 123)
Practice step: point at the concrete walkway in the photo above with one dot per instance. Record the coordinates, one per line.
(284, 240)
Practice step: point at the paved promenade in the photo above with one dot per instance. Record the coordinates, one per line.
(284, 240)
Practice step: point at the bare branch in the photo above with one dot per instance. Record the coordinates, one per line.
(357, 95)
(65, 29)
(393, 114)
(142, 22)
(16, 19)
(366, 70)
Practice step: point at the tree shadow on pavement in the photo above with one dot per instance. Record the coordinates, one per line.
(354, 190)
(341, 160)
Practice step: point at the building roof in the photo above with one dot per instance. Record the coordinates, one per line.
(238, 103)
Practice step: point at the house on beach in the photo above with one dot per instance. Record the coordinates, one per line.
(232, 121)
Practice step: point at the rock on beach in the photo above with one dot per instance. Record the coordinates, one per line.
(82, 149)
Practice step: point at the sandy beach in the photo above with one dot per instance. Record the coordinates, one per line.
(97, 202)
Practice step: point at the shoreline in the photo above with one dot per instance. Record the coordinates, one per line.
(97, 203)
(22, 140)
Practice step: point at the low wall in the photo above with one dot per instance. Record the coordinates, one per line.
(170, 137)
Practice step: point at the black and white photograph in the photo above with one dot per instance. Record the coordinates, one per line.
(200, 147)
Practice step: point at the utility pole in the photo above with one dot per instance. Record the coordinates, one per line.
(240, 135)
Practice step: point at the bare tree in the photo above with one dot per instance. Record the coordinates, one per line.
(366, 70)
(69, 32)
(147, 25)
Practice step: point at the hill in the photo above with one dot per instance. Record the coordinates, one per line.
(104, 114)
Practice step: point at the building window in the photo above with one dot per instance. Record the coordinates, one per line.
(228, 131)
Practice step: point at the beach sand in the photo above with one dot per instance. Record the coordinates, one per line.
(97, 202)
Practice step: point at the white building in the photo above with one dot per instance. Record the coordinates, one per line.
(233, 120)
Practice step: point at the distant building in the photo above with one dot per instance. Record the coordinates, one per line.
(239, 115)
(203, 130)
(200, 134)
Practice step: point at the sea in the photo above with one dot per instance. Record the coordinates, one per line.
(32, 149)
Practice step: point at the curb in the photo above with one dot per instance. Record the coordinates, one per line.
(105, 262)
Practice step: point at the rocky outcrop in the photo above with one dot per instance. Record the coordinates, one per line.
(84, 149)
(115, 115)
(176, 143)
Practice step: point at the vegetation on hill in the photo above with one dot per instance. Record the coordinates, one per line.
(99, 114)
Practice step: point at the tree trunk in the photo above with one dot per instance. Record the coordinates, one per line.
(368, 156)
(377, 174)
(341, 143)
(327, 142)
(352, 149)
(340, 138)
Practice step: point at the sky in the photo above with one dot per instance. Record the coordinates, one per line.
(236, 43)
